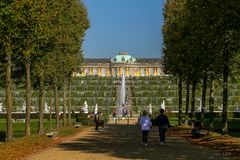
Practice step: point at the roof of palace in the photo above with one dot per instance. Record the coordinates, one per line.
(121, 58)
(151, 60)
(96, 60)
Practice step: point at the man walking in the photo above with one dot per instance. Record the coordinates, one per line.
(163, 124)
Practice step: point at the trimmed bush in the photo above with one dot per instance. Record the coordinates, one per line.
(233, 124)
(2, 136)
(236, 114)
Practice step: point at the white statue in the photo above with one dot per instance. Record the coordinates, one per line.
(96, 109)
(163, 105)
(1, 107)
(150, 109)
(85, 107)
(23, 109)
(220, 107)
(46, 109)
(200, 105)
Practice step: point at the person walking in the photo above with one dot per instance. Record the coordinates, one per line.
(114, 116)
(163, 124)
(101, 120)
(145, 125)
(96, 120)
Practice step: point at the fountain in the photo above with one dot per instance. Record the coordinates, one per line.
(121, 102)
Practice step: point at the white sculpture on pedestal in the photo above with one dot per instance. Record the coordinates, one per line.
(85, 107)
(163, 105)
(23, 109)
(96, 109)
(1, 107)
(150, 109)
(46, 109)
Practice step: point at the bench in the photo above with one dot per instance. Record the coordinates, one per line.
(77, 125)
(51, 134)
(19, 121)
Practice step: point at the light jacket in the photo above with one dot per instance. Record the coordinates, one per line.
(145, 123)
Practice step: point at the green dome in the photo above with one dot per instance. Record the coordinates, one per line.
(123, 57)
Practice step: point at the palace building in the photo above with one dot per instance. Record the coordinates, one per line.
(119, 64)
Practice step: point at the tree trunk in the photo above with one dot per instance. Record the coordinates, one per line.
(41, 101)
(50, 110)
(204, 90)
(64, 103)
(187, 103)
(211, 103)
(179, 101)
(8, 95)
(57, 106)
(225, 92)
(28, 99)
(194, 86)
(69, 102)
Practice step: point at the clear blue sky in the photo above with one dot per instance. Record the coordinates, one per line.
(133, 26)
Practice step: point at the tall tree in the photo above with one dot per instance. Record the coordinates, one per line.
(8, 33)
(68, 30)
(28, 13)
(176, 53)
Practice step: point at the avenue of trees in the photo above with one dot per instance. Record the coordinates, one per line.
(201, 45)
(40, 46)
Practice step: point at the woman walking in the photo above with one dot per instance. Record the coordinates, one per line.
(145, 125)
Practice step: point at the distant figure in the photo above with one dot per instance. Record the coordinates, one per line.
(140, 115)
(96, 119)
(196, 127)
(124, 112)
(114, 116)
(99, 121)
(163, 124)
(91, 118)
(145, 125)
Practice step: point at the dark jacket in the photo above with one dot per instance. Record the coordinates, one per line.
(162, 120)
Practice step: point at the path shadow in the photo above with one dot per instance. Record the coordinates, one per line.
(124, 141)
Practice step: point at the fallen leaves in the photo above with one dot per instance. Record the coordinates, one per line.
(224, 143)
(22, 147)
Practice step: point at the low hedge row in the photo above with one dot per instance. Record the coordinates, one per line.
(233, 124)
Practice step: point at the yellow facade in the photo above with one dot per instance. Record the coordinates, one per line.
(120, 63)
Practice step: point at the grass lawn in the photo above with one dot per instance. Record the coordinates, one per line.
(19, 127)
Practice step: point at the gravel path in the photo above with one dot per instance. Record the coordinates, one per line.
(123, 142)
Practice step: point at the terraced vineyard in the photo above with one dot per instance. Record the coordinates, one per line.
(141, 91)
